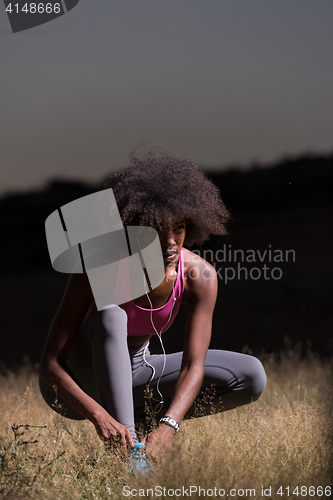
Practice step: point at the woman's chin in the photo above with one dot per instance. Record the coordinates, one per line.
(170, 262)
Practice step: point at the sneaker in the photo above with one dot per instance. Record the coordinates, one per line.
(139, 464)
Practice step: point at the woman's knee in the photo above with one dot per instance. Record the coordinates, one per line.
(111, 321)
(255, 377)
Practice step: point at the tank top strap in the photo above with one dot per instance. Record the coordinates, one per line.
(180, 277)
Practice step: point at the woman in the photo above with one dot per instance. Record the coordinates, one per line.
(100, 364)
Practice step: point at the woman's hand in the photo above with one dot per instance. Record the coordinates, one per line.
(109, 429)
(159, 440)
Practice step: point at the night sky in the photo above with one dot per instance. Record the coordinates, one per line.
(223, 82)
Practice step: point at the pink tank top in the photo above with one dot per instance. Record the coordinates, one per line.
(139, 322)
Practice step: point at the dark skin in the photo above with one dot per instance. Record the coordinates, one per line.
(200, 292)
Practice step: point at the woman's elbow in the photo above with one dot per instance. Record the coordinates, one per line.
(48, 367)
(197, 370)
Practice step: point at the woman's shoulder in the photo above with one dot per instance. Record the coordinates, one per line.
(200, 277)
(193, 262)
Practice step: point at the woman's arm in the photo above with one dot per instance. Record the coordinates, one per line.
(62, 335)
(202, 284)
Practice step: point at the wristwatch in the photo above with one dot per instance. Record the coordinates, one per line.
(171, 422)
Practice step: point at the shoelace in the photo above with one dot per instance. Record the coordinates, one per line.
(139, 464)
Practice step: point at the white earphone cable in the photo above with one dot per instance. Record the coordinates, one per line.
(159, 334)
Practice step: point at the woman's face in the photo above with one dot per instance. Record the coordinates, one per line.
(172, 238)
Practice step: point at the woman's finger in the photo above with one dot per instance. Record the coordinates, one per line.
(130, 438)
(116, 434)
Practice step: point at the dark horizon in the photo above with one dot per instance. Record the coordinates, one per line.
(214, 173)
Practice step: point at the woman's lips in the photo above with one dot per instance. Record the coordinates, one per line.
(169, 255)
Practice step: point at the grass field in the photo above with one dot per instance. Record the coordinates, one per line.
(282, 441)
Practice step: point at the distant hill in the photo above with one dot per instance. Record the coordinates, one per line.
(303, 181)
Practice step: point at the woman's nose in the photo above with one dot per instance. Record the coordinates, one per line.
(171, 239)
(168, 238)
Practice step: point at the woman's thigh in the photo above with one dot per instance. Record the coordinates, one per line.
(232, 378)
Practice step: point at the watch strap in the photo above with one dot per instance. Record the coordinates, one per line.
(171, 422)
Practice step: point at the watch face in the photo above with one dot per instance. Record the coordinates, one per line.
(171, 422)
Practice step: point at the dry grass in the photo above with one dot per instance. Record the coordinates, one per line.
(283, 439)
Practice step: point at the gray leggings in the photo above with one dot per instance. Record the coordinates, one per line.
(101, 365)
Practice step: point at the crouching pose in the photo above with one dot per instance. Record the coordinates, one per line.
(99, 361)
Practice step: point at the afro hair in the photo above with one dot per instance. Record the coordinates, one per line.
(159, 185)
